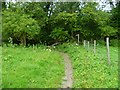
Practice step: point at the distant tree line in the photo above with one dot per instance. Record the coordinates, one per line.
(54, 22)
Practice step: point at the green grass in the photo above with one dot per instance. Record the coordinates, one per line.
(44, 68)
(92, 71)
(0, 67)
(31, 68)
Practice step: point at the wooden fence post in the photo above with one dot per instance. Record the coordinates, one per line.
(94, 46)
(84, 43)
(108, 49)
(88, 45)
(78, 38)
(33, 46)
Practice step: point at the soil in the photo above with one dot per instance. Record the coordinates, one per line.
(68, 79)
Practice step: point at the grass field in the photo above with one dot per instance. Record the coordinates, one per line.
(31, 68)
(44, 68)
(0, 67)
(92, 71)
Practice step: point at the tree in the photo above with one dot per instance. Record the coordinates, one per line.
(20, 26)
(66, 21)
(104, 24)
(115, 17)
(88, 21)
(94, 23)
(62, 26)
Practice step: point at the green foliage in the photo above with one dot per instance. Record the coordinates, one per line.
(115, 17)
(31, 68)
(108, 31)
(19, 26)
(95, 22)
(104, 24)
(59, 34)
(66, 21)
(0, 24)
(36, 11)
(88, 20)
(44, 18)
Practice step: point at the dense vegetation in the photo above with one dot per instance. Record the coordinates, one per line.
(53, 22)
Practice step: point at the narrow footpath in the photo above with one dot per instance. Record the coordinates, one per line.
(68, 79)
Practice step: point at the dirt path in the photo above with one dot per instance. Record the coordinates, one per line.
(67, 80)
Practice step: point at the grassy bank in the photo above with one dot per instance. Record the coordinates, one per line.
(31, 68)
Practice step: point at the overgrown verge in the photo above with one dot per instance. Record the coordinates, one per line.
(92, 71)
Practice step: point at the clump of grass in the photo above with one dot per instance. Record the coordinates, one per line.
(31, 68)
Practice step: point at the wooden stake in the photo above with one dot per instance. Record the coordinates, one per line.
(78, 38)
(33, 46)
(108, 50)
(84, 43)
(94, 46)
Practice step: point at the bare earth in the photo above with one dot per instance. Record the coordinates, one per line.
(68, 79)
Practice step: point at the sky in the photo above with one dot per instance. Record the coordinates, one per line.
(59, 0)
(101, 2)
